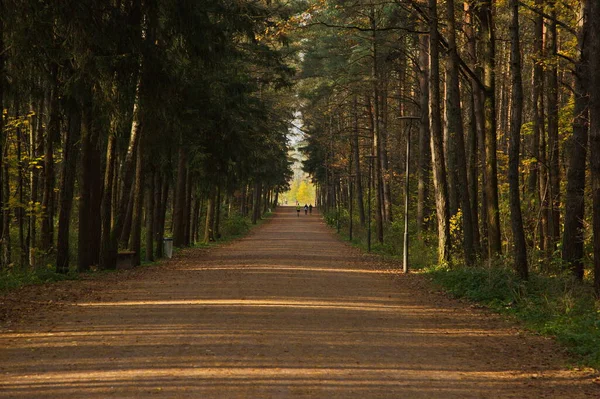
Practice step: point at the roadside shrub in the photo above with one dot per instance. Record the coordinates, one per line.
(235, 225)
(12, 279)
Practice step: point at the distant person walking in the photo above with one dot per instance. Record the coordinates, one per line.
(310, 209)
(305, 209)
(298, 210)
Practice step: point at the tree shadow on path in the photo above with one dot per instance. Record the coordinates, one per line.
(289, 312)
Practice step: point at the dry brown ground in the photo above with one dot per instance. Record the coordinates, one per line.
(288, 312)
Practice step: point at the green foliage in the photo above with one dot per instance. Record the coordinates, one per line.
(421, 253)
(14, 279)
(236, 225)
(210, 76)
(557, 306)
(330, 218)
(495, 287)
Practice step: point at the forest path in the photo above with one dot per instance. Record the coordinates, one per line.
(288, 312)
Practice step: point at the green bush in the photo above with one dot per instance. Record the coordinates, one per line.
(11, 279)
(235, 225)
(330, 218)
(421, 252)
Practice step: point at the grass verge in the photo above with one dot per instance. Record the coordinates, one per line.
(12, 279)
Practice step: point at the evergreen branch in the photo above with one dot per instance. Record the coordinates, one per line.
(464, 68)
(361, 29)
(551, 18)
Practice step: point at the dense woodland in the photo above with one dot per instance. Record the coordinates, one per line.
(499, 101)
(125, 121)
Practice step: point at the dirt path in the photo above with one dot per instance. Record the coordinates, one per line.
(289, 312)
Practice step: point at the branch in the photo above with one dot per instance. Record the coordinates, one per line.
(298, 128)
(465, 69)
(551, 18)
(361, 29)
(566, 57)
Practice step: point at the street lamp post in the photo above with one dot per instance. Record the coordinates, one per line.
(351, 178)
(370, 158)
(406, 187)
(338, 193)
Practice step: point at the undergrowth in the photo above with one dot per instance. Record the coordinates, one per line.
(422, 254)
(11, 279)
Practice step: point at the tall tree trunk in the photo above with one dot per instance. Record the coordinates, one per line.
(125, 203)
(200, 212)
(135, 244)
(196, 218)
(595, 133)
(553, 139)
(210, 217)
(52, 136)
(108, 246)
(377, 182)
(87, 212)
(243, 196)
(478, 141)
(504, 95)
(456, 134)
(574, 233)
(187, 216)
(218, 213)
(2, 138)
(516, 117)
(437, 144)
(150, 215)
(377, 129)
(158, 189)
(67, 185)
(488, 52)
(127, 223)
(162, 215)
(116, 176)
(96, 194)
(36, 148)
(545, 238)
(473, 172)
(356, 159)
(20, 210)
(256, 194)
(266, 200)
(7, 250)
(386, 173)
(180, 202)
(537, 177)
(450, 146)
(424, 170)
